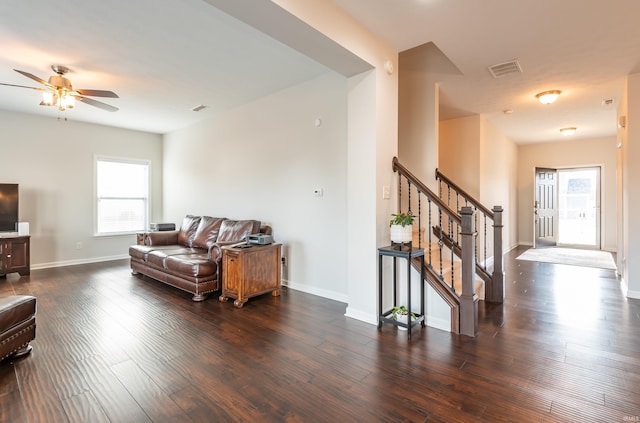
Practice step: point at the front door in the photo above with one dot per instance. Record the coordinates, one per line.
(545, 210)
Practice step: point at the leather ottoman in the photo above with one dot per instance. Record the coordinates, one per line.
(17, 325)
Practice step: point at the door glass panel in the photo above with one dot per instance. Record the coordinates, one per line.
(578, 207)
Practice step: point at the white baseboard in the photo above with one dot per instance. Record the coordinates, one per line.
(362, 316)
(78, 261)
(332, 295)
(633, 294)
(438, 323)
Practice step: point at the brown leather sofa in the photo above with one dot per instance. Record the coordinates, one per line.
(191, 257)
(17, 325)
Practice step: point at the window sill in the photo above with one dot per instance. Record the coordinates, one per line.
(116, 234)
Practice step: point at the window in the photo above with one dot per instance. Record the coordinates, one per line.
(122, 196)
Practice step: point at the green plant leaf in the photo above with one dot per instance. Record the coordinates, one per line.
(402, 219)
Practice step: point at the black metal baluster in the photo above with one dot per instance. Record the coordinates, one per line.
(476, 245)
(440, 242)
(419, 220)
(429, 232)
(400, 193)
(484, 265)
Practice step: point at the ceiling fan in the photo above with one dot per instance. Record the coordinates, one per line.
(60, 93)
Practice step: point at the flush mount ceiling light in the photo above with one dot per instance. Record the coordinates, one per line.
(568, 131)
(548, 97)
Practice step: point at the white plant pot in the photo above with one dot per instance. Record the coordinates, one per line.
(401, 233)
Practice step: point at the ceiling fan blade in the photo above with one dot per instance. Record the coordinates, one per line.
(99, 104)
(35, 78)
(98, 93)
(23, 86)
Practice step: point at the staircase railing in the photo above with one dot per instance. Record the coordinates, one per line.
(448, 232)
(489, 268)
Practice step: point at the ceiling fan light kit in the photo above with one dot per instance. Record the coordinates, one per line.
(548, 97)
(59, 92)
(61, 100)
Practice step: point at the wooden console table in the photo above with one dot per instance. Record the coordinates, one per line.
(15, 255)
(247, 272)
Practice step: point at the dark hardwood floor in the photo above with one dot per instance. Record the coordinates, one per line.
(111, 347)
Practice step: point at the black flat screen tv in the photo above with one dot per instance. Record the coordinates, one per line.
(8, 207)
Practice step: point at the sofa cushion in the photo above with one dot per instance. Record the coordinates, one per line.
(237, 230)
(196, 265)
(207, 233)
(158, 257)
(188, 230)
(142, 251)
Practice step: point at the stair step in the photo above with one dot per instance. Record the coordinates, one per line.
(446, 268)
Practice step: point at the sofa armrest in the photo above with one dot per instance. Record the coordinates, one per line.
(161, 238)
(266, 229)
(215, 251)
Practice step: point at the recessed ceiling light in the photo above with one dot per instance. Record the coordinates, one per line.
(507, 111)
(548, 97)
(568, 131)
(198, 108)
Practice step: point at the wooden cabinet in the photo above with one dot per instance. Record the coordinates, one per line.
(15, 255)
(247, 272)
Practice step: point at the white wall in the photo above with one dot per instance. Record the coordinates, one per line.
(622, 181)
(53, 161)
(418, 127)
(262, 161)
(499, 172)
(630, 156)
(459, 154)
(483, 162)
(566, 154)
(373, 132)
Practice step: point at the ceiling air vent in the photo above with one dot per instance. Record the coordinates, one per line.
(506, 68)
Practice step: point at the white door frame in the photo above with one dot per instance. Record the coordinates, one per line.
(598, 215)
(600, 196)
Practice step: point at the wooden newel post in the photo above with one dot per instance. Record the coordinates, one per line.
(496, 292)
(468, 299)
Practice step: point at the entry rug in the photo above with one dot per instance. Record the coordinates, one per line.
(571, 256)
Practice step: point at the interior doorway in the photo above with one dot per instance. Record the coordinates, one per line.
(567, 207)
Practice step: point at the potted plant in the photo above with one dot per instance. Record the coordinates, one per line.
(401, 314)
(401, 227)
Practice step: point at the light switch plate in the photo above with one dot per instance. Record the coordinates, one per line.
(386, 192)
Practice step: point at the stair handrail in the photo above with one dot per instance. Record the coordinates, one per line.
(469, 198)
(397, 167)
(464, 306)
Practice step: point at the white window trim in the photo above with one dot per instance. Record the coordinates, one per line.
(96, 159)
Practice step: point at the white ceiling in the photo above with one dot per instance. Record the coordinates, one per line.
(164, 57)
(583, 48)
